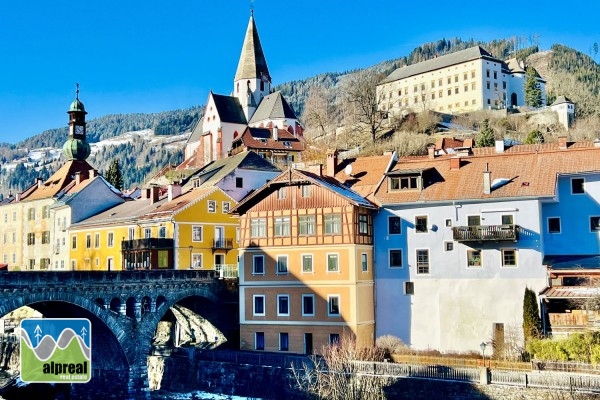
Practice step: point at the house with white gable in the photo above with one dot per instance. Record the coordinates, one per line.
(461, 236)
(252, 103)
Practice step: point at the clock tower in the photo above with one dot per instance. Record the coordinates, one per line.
(76, 147)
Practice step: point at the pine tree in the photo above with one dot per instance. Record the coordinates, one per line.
(533, 93)
(532, 323)
(114, 176)
(486, 136)
(534, 137)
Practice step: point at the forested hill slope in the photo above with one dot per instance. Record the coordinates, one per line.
(567, 72)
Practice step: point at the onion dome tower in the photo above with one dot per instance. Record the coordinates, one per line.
(76, 147)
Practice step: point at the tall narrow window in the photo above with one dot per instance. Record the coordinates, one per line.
(259, 340)
(283, 305)
(284, 341)
(258, 265)
(364, 262)
(307, 263)
(282, 265)
(363, 224)
(394, 226)
(333, 302)
(96, 240)
(332, 263)
(196, 233)
(308, 305)
(110, 240)
(422, 261)
(259, 305)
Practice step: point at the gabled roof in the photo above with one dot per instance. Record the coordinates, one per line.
(196, 131)
(272, 106)
(229, 109)
(73, 189)
(59, 180)
(528, 174)
(219, 169)
(180, 203)
(366, 173)
(300, 176)
(262, 139)
(560, 100)
(458, 57)
(122, 213)
(252, 63)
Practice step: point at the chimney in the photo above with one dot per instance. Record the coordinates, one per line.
(332, 162)
(487, 180)
(316, 169)
(174, 190)
(77, 178)
(275, 133)
(39, 182)
(597, 143)
(18, 197)
(455, 163)
(92, 173)
(431, 152)
(144, 193)
(562, 142)
(500, 146)
(153, 194)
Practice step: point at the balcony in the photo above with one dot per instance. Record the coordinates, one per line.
(483, 233)
(222, 244)
(147, 244)
(226, 271)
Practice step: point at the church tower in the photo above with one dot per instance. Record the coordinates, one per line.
(252, 80)
(76, 147)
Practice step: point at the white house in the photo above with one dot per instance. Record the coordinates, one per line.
(461, 237)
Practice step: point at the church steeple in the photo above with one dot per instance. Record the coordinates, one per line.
(76, 147)
(252, 73)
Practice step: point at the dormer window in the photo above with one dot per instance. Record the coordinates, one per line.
(287, 144)
(405, 182)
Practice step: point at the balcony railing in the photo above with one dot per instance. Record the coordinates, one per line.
(481, 233)
(147, 244)
(226, 271)
(222, 244)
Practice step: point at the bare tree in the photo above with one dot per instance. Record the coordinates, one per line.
(335, 376)
(361, 103)
(317, 111)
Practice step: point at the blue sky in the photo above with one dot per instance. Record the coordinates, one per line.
(150, 56)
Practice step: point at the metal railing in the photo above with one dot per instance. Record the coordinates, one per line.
(226, 271)
(226, 244)
(147, 243)
(485, 233)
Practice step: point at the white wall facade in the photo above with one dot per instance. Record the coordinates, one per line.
(251, 180)
(454, 307)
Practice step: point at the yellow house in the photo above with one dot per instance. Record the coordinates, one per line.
(160, 230)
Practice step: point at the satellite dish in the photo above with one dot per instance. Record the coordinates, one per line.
(348, 169)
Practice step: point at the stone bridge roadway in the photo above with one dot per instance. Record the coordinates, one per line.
(124, 309)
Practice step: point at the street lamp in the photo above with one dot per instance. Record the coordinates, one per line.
(483, 346)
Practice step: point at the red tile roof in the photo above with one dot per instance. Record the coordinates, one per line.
(529, 173)
(262, 139)
(366, 175)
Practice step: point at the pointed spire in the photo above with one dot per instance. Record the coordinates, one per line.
(252, 64)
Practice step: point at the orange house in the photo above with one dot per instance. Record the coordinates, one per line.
(306, 264)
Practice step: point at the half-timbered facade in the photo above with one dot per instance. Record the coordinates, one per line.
(305, 261)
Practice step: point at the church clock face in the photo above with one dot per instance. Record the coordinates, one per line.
(78, 130)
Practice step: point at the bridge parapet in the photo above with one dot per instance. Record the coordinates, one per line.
(102, 278)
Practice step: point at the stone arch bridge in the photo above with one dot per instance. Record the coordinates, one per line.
(124, 308)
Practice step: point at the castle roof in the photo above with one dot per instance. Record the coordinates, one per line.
(458, 57)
